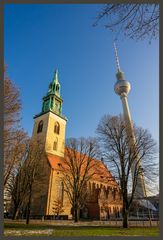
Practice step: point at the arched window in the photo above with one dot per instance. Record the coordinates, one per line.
(55, 144)
(40, 127)
(56, 128)
(114, 193)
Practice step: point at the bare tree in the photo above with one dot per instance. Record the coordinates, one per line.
(17, 184)
(127, 162)
(29, 171)
(33, 169)
(136, 21)
(58, 207)
(13, 152)
(78, 169)
(103, 205)
(18, 188)
(14, 137)
(12, 107)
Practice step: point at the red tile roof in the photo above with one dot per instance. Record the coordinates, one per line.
(100, 170)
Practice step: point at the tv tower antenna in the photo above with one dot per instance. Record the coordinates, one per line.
(116, 57)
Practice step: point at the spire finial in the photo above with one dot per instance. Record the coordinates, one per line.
(116, 57)
(56, 75)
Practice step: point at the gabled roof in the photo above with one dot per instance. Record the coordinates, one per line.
(54, 161)
(101, 172)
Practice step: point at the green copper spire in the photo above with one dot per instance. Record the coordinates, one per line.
(54, 86)
(53, 101)
(55, 79)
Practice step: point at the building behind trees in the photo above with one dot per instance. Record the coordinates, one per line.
(103, 192)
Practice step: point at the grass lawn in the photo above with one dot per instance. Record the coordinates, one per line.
(21, 229)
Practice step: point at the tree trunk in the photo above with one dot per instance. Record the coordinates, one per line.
(15, 215)
(28, 214)
(28, 209)
(125, 209)
(75, 214)
(125, 219)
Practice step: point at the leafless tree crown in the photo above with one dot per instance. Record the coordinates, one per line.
(136, 21)
(77, 170)
(127, 161)
(15, 138)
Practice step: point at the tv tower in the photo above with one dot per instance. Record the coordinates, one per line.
(122, 88)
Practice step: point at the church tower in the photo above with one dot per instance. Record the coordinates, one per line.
(50, 124)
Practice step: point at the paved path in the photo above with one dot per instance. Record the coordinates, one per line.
(86, 223)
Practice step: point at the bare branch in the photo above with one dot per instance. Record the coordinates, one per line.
(136, 21)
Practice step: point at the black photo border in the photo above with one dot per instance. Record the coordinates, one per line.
(2, 3)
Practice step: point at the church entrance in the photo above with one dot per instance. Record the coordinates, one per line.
(84, 213)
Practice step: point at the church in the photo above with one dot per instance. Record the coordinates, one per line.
(50, 127)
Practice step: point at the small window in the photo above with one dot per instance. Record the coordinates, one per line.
(40, 127)
(56, 128)
(55, 144)
(50, 87)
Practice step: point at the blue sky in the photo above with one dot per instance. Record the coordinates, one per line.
(40, 38)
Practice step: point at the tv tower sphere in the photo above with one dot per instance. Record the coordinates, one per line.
(121, 86)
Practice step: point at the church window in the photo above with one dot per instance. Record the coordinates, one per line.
(114, 193)
(56, 128)
(50, 87)
(71, 211)
(57, 88)
(55, 144)
(40, 127)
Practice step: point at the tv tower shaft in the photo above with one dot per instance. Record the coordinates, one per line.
(122, 88)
